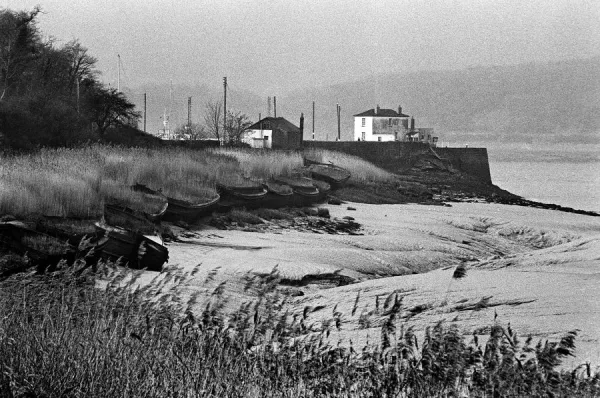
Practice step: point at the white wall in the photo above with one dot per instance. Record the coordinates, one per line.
(251, 135)
(368, 129)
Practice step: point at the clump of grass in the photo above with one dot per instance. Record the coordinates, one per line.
(273, 214)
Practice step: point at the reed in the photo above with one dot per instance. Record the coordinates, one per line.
(60, 335)
(77, 182)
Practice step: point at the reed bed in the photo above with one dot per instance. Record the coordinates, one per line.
(60, 335)
(77, 182)
(361, 170)
(263, 163)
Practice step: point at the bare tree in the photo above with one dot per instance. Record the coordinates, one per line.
(236, 124)
(213, 119)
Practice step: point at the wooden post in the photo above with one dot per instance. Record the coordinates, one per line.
(224, 108)
(145, 116)
(313, 122)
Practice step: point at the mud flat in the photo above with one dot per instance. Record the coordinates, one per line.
(538, 269)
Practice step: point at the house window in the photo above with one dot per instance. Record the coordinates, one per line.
(378, 138)
(390, 122)
(364, 122)
(363, 135)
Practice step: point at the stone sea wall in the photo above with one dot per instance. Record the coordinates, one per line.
(400, 156)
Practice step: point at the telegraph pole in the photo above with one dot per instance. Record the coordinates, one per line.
(224, 107)
(313, 122)
(144, 112)
(119, 72)
(275, 106)
(339, 109)
(189, 123)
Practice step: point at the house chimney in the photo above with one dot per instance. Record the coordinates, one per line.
(377, 110)
(412, 123)
(399, 110)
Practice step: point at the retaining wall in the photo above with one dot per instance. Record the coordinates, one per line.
(398, 156)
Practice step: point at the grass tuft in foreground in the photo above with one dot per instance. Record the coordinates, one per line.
(60, 335)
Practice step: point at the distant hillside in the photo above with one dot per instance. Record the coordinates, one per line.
(558, 102)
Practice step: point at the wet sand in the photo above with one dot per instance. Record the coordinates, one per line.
(537, 269)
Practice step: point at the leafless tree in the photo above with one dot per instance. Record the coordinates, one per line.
(236, 124)
(213, 119)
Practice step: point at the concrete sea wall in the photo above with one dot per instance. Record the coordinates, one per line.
(399, 156)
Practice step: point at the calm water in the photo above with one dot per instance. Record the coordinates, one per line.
(572, 184)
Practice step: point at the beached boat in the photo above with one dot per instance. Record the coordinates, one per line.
(156, 214)
(43, 251)
(305, 192)
(125, 217)
(182, 210)
(134, 248)
(324, 189)
(334, 175)
(248, 196)
(278, 195)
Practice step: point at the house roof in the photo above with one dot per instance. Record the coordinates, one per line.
(275, 123)
(381, 113)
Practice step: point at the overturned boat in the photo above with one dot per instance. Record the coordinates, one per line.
(334, 175)
(246, 195)
(278, 195)
(137, 250)
(305, 192)
(182, 210)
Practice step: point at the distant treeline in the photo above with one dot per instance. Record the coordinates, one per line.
(50, 95)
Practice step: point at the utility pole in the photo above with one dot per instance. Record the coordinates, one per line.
(313, 122)
(119, 73)
(145, 115)
(224, 108)
(189, 123)
(339, 109)
(275, 106)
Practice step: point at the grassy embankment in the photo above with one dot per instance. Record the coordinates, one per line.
(76, 183)
(62, 336)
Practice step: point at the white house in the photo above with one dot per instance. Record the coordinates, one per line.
(381, 125)
(389, 125)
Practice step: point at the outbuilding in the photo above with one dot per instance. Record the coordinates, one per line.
(275, 133)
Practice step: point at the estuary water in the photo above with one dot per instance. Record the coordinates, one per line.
(573, 184)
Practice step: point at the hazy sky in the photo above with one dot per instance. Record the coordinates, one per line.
(271, 46)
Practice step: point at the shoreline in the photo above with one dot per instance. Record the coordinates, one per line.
(536, 264)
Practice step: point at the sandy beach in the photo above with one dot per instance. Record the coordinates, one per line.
(537, 269)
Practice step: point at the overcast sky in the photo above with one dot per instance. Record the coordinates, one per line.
(273, 46)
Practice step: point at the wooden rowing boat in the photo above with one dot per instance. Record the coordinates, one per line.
(334, 175)
(138, 251)
(305, 192)
(182, 210)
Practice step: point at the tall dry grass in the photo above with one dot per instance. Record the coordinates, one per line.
(60, 335)
(262, 163)
(361, 170)
(77, 182)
